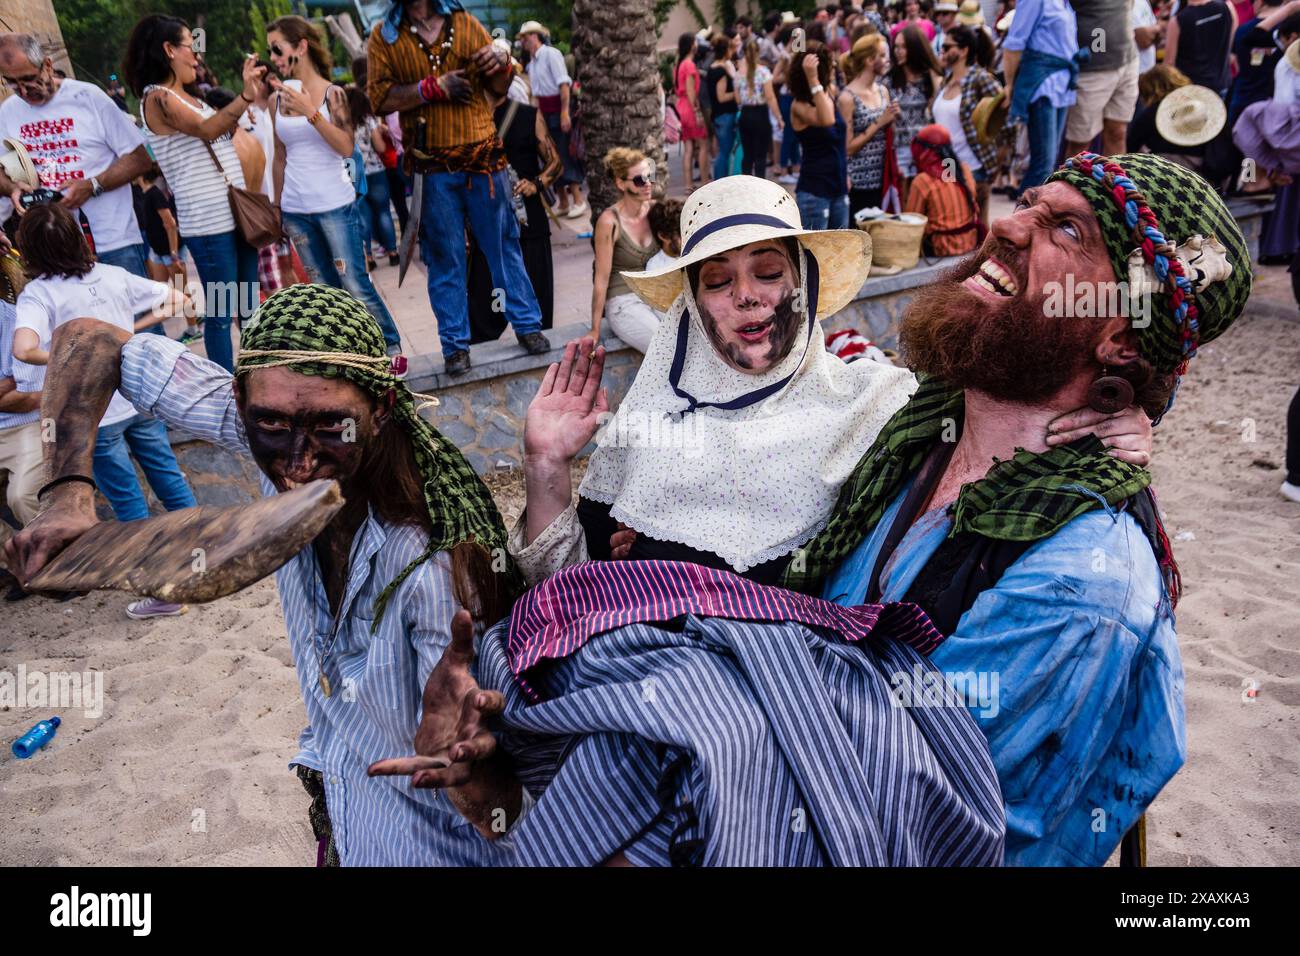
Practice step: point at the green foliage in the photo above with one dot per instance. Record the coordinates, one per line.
(697, 13)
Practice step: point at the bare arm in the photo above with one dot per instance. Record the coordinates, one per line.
(338, 134)
(27, 348)
(769, 97)
(1171, 42)
(561, 419)
(84, 371)
(165, 115)
(1278, 15)
(176, 302)
(277, 163)
(605, 228)
(172, 229)
(15, 402)
(1010, 66)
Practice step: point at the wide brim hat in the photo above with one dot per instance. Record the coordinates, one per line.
(990, 116)
(1004, 24)
(970, 14)
(1292, 56)
(1191, 115)
(945, 8)
(736, 210)
(17, 163)
(532, 26)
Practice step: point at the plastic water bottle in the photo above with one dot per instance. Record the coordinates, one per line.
(36, 738)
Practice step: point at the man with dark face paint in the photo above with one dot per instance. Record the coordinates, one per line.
(369, 607)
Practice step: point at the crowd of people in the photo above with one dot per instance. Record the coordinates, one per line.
(767, 533)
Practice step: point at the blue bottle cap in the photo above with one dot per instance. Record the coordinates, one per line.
(55, 721)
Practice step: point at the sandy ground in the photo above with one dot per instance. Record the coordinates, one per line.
(188, 762)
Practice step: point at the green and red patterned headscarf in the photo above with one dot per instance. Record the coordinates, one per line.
(1145, 202)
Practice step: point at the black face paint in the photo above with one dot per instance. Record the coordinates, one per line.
(785, 328)
(306, 445)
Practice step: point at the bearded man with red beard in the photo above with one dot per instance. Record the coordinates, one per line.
(1043, 561)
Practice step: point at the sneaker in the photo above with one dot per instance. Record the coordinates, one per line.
(149, 608)
(579, 210)
(191, 335)
(1290, 491)
(457, 363)
(788, 179)
(535, 343)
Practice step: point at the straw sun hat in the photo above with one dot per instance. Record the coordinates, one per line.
(1191, 115)
(737, 210)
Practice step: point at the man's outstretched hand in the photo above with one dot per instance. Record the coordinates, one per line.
(454, 750)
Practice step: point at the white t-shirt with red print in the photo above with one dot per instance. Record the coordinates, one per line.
(78, 134)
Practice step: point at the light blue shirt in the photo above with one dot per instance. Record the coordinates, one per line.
(1048, 26)
(1087, 723)
(27, 378)
(377, 679)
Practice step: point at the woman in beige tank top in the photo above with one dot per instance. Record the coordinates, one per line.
(624, 243)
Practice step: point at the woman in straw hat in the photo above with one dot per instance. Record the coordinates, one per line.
(731, 445)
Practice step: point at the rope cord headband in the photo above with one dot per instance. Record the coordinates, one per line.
(320, 330)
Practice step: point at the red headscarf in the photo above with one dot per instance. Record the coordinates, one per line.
(925, 150)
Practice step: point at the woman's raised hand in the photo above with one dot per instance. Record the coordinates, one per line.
(810, 67)
(252, 77)
(569, 405)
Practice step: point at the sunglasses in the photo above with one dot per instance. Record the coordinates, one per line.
(640, 182)
(275, 50)
(948, 46)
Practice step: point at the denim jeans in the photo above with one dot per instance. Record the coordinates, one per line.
(818, 212)
(146, 439)
(375, 213)
(789, 141)
(1046, 125)
(724, 124)
(451, 200)
(329, 244)
(227, 267)
(130, 258)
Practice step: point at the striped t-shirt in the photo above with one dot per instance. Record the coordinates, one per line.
(202, 195)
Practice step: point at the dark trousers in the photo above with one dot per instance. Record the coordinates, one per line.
(755, 140)
(862, 198)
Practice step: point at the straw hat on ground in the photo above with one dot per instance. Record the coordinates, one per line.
(1191, 115)
(737, 210)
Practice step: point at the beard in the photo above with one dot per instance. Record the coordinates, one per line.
(1012, 351)
(786, 321)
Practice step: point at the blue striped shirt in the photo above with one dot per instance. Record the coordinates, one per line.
(377, 679)
(28, 378)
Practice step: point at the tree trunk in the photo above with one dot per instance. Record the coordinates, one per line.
(618, 70)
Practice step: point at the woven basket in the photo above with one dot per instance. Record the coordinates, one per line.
(896, 243)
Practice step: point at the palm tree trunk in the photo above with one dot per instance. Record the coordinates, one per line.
(617, 68)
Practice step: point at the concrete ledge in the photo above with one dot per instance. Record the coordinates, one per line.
(483, 411)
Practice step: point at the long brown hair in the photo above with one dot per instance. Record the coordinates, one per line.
(392, 472)
(295, 30)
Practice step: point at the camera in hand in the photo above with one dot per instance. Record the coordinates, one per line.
(39, 197)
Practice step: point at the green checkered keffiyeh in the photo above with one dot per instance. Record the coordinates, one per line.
(1181, 204)
(1026, 498)
(339, 338)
